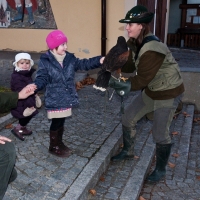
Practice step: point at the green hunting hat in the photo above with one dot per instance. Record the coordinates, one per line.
(138, 14)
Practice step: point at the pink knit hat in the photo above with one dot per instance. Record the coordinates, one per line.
(55, 39)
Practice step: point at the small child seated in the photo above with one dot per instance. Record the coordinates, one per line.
(26, 108)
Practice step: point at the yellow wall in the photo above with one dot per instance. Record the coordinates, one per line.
(116, 10)
(80, 20)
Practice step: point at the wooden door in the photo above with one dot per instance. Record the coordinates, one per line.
(150, 5)
(161, 10)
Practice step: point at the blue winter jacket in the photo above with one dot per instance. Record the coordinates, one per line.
(59, 81)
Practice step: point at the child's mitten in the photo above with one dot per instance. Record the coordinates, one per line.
(29, 111)
(38, 101)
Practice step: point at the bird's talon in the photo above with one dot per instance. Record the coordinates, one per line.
(123, 79)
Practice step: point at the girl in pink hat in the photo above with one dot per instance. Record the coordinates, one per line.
(56, 73)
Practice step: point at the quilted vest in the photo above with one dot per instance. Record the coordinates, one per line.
(168, 76)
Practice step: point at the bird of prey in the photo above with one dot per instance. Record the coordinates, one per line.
(113, 62)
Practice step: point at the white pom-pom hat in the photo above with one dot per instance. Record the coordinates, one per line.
(25, 56)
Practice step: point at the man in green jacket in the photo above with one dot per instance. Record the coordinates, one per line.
(8, 173)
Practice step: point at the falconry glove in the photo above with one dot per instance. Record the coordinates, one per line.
(121, 87)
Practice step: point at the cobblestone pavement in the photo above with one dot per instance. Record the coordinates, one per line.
(188, 60)
(44, 176)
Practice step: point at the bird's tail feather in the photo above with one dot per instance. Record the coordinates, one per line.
(102, 81)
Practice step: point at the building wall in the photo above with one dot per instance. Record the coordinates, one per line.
(79, 20)
(116, 10)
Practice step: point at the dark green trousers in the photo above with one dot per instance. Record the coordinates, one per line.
(163, 115)
(7, 162)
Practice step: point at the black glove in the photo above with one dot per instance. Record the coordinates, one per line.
(122, 88)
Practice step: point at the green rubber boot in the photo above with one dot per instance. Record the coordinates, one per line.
(128, 148)
(162, 156)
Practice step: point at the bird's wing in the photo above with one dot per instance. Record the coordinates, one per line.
(114, 60)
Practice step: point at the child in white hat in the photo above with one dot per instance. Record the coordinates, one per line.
(26, 108)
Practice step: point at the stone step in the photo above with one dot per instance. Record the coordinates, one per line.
(182, 142)
(124, 180)
(118, 174)
(97, 165)
(94, 169)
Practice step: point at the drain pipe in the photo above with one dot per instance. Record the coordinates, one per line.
(103, 27)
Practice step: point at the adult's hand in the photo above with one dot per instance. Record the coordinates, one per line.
(4, 139)
(27, 91)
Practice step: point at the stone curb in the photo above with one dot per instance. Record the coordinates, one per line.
(89, 177)
(189, 69)
(134, 184)
(184, 146)
(7, 119)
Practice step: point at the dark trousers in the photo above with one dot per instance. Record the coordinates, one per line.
(57, 123)
(25, 121)
(7, 162)
(163, 115)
